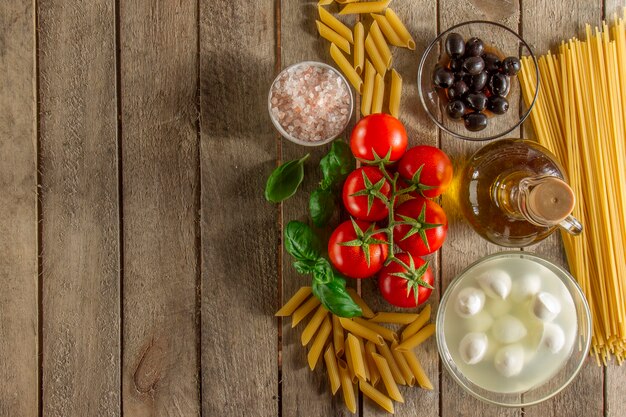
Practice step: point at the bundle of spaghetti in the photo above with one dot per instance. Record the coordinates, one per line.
(579, 115)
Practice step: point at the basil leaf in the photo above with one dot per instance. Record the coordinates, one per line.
(285, 180)
(322, 271)
(301, 242)
(321, 206)
(336, 164)
(335, 298)
(304, 267)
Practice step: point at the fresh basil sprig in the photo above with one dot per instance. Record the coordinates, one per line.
(322, 206)
(328, 286)
(285, 180)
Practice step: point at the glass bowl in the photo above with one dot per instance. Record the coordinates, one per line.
(541, 391)
(342, 83)
(498, 39)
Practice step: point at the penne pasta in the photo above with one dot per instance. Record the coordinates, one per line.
(400, 29)
(385, 375)
(419, 322)
(335, 24)
(313, 325)
(345, 1)
(394, 318)
(417, 338)
(374, 374)
(318, 344)
(386, 333)
(356, 356)
(332, 369)
(378, 397)
(365, 7)
(374, 55)
(367, 312)
(333, 37)
(378, 95)
(364, 354)
(418, 371)
(395, 93)
(402, 365)
(349, 398)
(304, 311)
(324, 2)
(366, 107)
(348, 356)
(359, 45)
(346, 68)
(294, 302)
(385, 27)
(393, 366)
(337, 336)
(361, 330)
(381, 44)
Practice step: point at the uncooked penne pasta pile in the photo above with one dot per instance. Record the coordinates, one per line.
(370, 72)
(361, 350)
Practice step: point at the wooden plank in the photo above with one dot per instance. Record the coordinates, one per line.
(544, 25)
(19, 364)
(239, 269)
(79, 203)
(160, 172)
(464, 245)
(421, 20)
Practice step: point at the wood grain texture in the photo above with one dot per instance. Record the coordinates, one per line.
(421, 21)
(79, 202)
(160, 172)
(240, 233)
(463, 245)
(19, 364)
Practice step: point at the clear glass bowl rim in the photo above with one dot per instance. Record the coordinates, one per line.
(420, 69)
(282, 131)
(563, 275)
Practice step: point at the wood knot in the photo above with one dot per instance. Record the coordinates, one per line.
(151, 365)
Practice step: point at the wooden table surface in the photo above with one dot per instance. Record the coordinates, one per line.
(140, 264)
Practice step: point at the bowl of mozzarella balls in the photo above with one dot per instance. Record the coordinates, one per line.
(513, 329)
(467, 80)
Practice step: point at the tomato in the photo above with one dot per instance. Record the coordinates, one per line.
(379, 135)
(429, 168)
(428, 228)
(353, 252)
(404, 287)
(361, 194)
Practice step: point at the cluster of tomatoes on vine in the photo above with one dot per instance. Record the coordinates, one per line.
(390, 207)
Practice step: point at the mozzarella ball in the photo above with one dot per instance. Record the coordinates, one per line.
(479, 322)
(525, 287)
(553, 337)
(508, 329)
(545, 306)
(469, 302)
(473, 348)
(509, 360)
(496, 283)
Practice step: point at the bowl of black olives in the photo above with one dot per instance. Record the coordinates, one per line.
(467, 80)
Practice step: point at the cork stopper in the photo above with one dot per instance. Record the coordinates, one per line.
(552, 200)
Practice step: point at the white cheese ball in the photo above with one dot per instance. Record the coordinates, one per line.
(496, 283)
(479, 322)
(509, 360)
(473, 348)
(525, 287)
(508, 329)
(545, 306)
(553, 337)
(469, 302)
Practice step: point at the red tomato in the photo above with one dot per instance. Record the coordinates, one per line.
(361, 194)
(436, 169)
(379, 133)
(364, 256)
(429, 228)
(401, 290)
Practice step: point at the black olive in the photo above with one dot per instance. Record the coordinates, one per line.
(443, 77)
(474, 47)
(455, 109)
(455, 45)
(456, 65)
(492, 62)
(474, 65)
(479, 81)
(498, 105)
(475, 121)
(499, 85)
(457, 90)
(511, 65)
(476, 101)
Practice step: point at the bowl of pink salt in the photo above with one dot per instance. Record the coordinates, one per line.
(310, 103)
